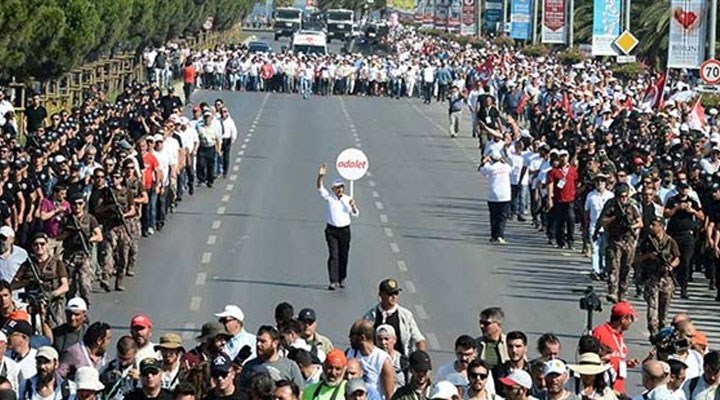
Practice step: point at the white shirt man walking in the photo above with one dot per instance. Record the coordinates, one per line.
(497, 170)
(337, 232)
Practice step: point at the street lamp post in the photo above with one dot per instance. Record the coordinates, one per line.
(713, 28)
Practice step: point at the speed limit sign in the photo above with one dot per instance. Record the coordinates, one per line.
(710, 72)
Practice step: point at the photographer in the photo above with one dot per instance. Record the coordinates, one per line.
(704, 386)
(50, 284)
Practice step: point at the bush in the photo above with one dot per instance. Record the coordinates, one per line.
(570, 56)
(504, 41)
(627, 71)
(535, 50)
(711, 100)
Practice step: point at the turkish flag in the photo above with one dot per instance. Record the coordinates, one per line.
(696, 119)
(654, 94)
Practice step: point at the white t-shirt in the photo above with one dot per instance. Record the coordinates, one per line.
(498, 174)
(164, 160)
(594, 203)
(371, 364)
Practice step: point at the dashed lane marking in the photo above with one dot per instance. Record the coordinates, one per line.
(433, 342)
(388, 232)
(230, 187)
(233, 177)
(241, 153)
(383, 218)
(375, 194)
(236, 168)
(195, 303)
(221, 210)
(216, 224)
(410, 287)
(201, 278)
(243, 146)
(206, 257)
(189, 330)
(246, 140)
(239, 159)
(394, 247)
(225, 198)
(379, 205)
(358, 145)
(402, 266)
(420, 312)
(369, 174)
(211, 240)
(371, 183)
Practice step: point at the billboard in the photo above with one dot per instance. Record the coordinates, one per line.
(493, 15)
(468, 26)
(686, 47)
(520, 19)
(454, 13)
(554, 21)
(606, 27)
(441, 14)
(429, 16)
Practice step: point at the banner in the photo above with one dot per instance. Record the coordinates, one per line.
(429, 16)
(419, 12)
(468, 26)
(493, 15)
(454, 16)
(606, 27)
(554, 25)
(520, 17)
(686, 47)
(441, 14)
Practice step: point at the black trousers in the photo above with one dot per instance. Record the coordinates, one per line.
(499, 212)
(686, 244)
(226, 143)
(338, 242)
(206, 164)
(564, 223)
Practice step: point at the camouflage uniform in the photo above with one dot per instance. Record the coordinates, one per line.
(51, 271)
(658, 284)
(620, 251)
(135, 190)
(117, 242)
(77, 258)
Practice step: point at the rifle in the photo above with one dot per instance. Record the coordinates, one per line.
(664, 259)
(83, 240)
(36, 294)
(118, 209)
(625, 218)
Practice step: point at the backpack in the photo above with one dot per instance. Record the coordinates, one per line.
(64, 390)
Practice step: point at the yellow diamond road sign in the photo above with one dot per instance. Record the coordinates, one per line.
(626, 42)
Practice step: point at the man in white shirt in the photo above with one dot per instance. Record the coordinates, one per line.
(518, 180)
(228, 133)
(165, 160)
(8, 368)
(498, 172)
(705, 386)
(337, 232)
(594, 204)
(19, 333)
(190, 143)
(141, 331)
(233, 318)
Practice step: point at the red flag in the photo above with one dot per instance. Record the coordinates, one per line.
(654, 94)
(696, 119)
(486, 70)
(567, 106)
(523, 102)
(628, 103)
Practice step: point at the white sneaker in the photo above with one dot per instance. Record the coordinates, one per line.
(501, 240)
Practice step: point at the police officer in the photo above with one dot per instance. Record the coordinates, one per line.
(683, 212)
(139, 197)
(79, 231)
(658, 255)
(620, 218)
(95, 208)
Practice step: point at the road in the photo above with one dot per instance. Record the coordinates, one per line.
(256, 239)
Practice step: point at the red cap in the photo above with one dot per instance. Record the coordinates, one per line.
(196, 108)
(336, 356)
(19, 315)
(141, 320)
(622, 309)
(638, 161)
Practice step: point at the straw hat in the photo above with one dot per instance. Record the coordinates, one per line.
(589, 364)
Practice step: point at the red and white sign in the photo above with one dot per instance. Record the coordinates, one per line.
(554, 21)
(352, 164)
(710, 72)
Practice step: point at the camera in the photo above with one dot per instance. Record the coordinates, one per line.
(668, 342)
(590, 300)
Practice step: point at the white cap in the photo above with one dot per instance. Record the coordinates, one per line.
(712, 111)
(7, 231)
(444, 390)
(518, 377)
(563, 152)
(338, 182)
(60, 158)
(554, 367)
(87, 378)
(387, 328)
(159, 138)
(684, 127)
(232, 311)
(76, 304)
(3, 337)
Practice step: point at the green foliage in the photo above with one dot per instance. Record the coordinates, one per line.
(627, 71)
(712, 100)
(570, 56)
(45, 38)
(503, 41)
(535, 50)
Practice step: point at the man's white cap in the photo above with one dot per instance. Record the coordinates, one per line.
(554, 367)
(712, 111)
(444, 390)
(3, 337)
(387, 328)
(338, 182)
(232, 311)
(60, 158)
(87, 378)
(76, 304)
(563, 152)
(518, 377)
(7, 231)
(159, 138)
(684, 127)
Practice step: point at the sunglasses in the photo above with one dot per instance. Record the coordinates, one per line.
(151, 372)
(397, 293)
(478, 376)
(219, 375)
(78, 203)
(39, 244)
(99, 176)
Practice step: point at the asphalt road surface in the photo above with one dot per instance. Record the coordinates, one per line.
(256, 239)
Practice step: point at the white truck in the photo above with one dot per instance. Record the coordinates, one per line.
(309, 42)
(286, 21)
(340, 23)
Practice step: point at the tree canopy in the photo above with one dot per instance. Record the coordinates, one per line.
(44, 38)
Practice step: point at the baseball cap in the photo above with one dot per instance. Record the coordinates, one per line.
(354, 385)
(149, 364)
(554, 367)
(23, 327)
(338, 182)
(159, 138)
(385, 328)
(389, 286)
(7, 231)
(231, 311)
(444, 390)
(48, 353)
(76, 304)
(518, 377)
(221, 363)
(336, 356)
(420, 361)
(307, 315)
(141, 320)
(622, 309)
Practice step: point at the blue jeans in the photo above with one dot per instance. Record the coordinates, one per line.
(518, 204)
(305, 87)
(597, 255)
(396, 88)
(149, 211)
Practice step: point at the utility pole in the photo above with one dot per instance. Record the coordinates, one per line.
(627, 14)
(713, 28)
(572, 23)
(536, 9)
(478, 4)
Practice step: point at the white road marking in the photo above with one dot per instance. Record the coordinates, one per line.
(201, 278)
(236, 168)
(433, 341)
(410, 287)
(206, 257)
(420, 312)
(402, 266)
(188, 330)
(394, 247)
(246, 140)
(379, 205)
(371, 183)
(233, 177)
(239, 159)
(375, 194)
(221, 210)
(369, 174)
(383, 218)
(251, 129)
(216, 224)
(358, 145)
(225, 198)
(388, 232)
(229, 187)
(211, 240)
(195, 303)
(243, 146)
(357, 139)
(241, 153)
